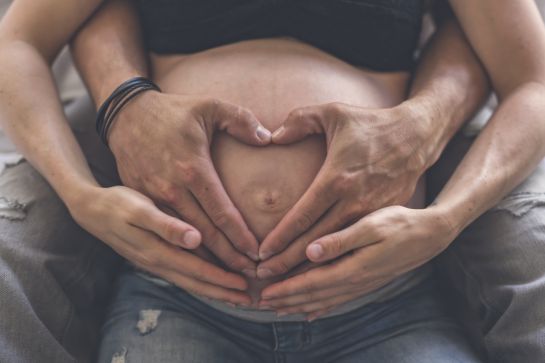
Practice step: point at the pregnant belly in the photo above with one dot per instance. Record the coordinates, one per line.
(271, 78)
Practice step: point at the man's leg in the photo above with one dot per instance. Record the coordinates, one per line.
(54, 276)
(497, 267)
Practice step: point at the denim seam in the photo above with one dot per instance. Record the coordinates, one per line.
(275, 334)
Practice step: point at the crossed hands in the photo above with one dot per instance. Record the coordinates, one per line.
(374, 160)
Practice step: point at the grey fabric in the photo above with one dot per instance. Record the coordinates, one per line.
(494, 272)
(55, 278)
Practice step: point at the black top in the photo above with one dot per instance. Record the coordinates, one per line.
(377, 34)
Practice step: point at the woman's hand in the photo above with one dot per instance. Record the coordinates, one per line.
(152, 240)
(161, 145)
(367, 255)
(374, 159)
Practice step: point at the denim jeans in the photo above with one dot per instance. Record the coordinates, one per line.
(148, 322)
(55, 278)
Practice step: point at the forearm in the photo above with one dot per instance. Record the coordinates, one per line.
(502, 156)
(109, 49)
(32, 116)
(448, 87)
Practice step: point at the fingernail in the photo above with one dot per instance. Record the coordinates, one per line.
(191, 239)
(250, 273)
(264, 255)
(263, 134)
(253, 256)
(264, 273)
(315, 251)
(230, 304)
(281, 314)
(279, 132)
(264, 307)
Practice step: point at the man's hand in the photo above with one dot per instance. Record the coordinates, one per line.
(374, 159)
(383, 245)
(161, 146)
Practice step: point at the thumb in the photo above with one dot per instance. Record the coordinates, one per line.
(240, 123)
(299, 124)
(163, 222)
(337, 244)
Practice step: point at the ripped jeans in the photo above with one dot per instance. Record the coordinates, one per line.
(55, 278)
(149, 322)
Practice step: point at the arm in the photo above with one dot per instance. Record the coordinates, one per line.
(504, 153)
(30, 110)
(31, 34)
(509, 38)
(161, 141)
(448, 87)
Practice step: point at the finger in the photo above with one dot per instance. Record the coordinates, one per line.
(319, 305)
(213, 239)
(312, 205)
(317, 295)
(212, 291)
(169, 228)
(304, 298)
(295, 253)
(240, 123)
(320, 313)
(149, 252)
(316, 279)
(299, 124)
(362, 233)
(209, 192)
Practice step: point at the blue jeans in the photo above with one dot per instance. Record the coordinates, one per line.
(147, 322)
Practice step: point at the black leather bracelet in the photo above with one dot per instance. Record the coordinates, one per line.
(117, 100)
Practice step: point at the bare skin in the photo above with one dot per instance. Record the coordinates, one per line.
(443, 95)
(272, 77)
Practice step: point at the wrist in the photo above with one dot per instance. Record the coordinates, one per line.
(104, 89)
(130, 116)
(450, 216)
(430, 123)
(79, 194)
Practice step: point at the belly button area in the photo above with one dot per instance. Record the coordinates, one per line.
(270, 201)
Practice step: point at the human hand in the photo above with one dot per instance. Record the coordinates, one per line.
(152, 240)
(161, 146)
(374, 159)
(369, 254)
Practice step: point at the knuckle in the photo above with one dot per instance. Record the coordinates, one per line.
(207, 104)
(336, 244)
(299, 114)
(190, 173)
(146, 259)
(281, 266)
(198, 273)
(334, 109)
(344, 183)
(303, 222)
(167, 193)
(223, 217)
(236, 262)
(169, 229)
